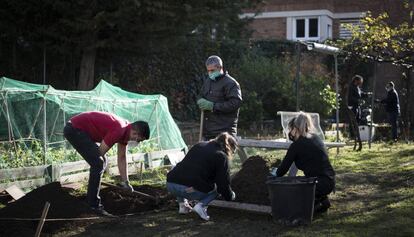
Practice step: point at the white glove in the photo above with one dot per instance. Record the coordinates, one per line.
(274, 171)
(233, 195)
(125, 185)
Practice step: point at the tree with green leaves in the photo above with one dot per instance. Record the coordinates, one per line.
(379, 39)
(92, 28)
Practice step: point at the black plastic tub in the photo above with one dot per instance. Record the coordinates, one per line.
(292, 199)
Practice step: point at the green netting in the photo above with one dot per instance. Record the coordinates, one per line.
(31, 112)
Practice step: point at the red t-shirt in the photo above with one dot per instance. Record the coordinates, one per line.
(103, 126)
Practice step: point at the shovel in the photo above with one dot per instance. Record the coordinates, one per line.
(200, 136)
(155, 199)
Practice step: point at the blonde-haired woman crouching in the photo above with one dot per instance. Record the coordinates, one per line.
(309, 154)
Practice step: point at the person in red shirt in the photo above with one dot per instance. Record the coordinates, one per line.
(84, 130)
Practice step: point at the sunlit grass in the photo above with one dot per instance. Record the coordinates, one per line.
(374, 192)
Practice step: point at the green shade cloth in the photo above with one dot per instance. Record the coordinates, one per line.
(39, 112)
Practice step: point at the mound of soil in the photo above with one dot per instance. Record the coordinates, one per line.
(249, 183)
(65, 204)
(62, 205)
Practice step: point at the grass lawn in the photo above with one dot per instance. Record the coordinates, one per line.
(374, 197)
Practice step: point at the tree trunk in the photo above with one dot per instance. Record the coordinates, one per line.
(87, 69)
(407, 106)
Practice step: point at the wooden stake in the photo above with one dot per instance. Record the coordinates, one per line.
(200, 137)
(140, 172)
(42, 219)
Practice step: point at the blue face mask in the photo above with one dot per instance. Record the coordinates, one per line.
(214, 75)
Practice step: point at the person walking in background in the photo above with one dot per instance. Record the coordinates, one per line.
(392, 107)
(220, 99)
(203, 174)
(86, 129)
(309, 154)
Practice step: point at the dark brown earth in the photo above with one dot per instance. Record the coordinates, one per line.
(65, 204)
(119, 202)
(249, 183)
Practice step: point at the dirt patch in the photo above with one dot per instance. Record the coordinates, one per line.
(64, 203)
(249, 183)
(120, 202)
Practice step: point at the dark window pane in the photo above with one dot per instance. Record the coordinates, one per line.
(300, 28)
(313, 27)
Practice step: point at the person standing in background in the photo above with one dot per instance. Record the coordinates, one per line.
(220, 99)
(392, 107)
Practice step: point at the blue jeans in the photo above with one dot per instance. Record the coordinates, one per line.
(182, 191)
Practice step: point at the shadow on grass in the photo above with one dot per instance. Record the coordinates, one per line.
(374, 204)
(169, 223)
(404, 153)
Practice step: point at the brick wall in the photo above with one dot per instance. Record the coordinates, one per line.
(269, 28)
(394, 7)
(295, 5)
(273, 28)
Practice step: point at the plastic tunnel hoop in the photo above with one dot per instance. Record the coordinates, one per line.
(38, 113)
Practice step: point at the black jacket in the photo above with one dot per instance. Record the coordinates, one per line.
(225, 93)
(204, 167)
(392, 103)
(310, 156)
(354, 95)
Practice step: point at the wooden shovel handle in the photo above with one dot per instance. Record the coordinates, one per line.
(137, 192)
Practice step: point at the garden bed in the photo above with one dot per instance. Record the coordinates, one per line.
(65, 203)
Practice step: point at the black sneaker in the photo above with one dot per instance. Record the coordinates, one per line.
(322, 206)
(101, 212)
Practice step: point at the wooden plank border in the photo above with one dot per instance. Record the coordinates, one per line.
(242, 206)
(25, 183)
(22, 173)
(75, 171)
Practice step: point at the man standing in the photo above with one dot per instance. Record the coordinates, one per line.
(84, 130)
(220, 100)
(392, 107)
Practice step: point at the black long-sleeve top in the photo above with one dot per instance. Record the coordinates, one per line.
(310, 156)
(354, 95)
(392, 103)
(204, 166)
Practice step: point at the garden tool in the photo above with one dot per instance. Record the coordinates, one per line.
(156, 199)
(200, 137)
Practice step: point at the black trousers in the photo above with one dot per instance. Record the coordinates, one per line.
(88, 149)
(324, 187)
(392, 119)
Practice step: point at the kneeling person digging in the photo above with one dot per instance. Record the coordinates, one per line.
(203, 174)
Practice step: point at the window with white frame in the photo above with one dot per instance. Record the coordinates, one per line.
(306, 28)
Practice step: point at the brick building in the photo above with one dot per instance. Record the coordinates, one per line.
(318, 20)
(315, 20)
